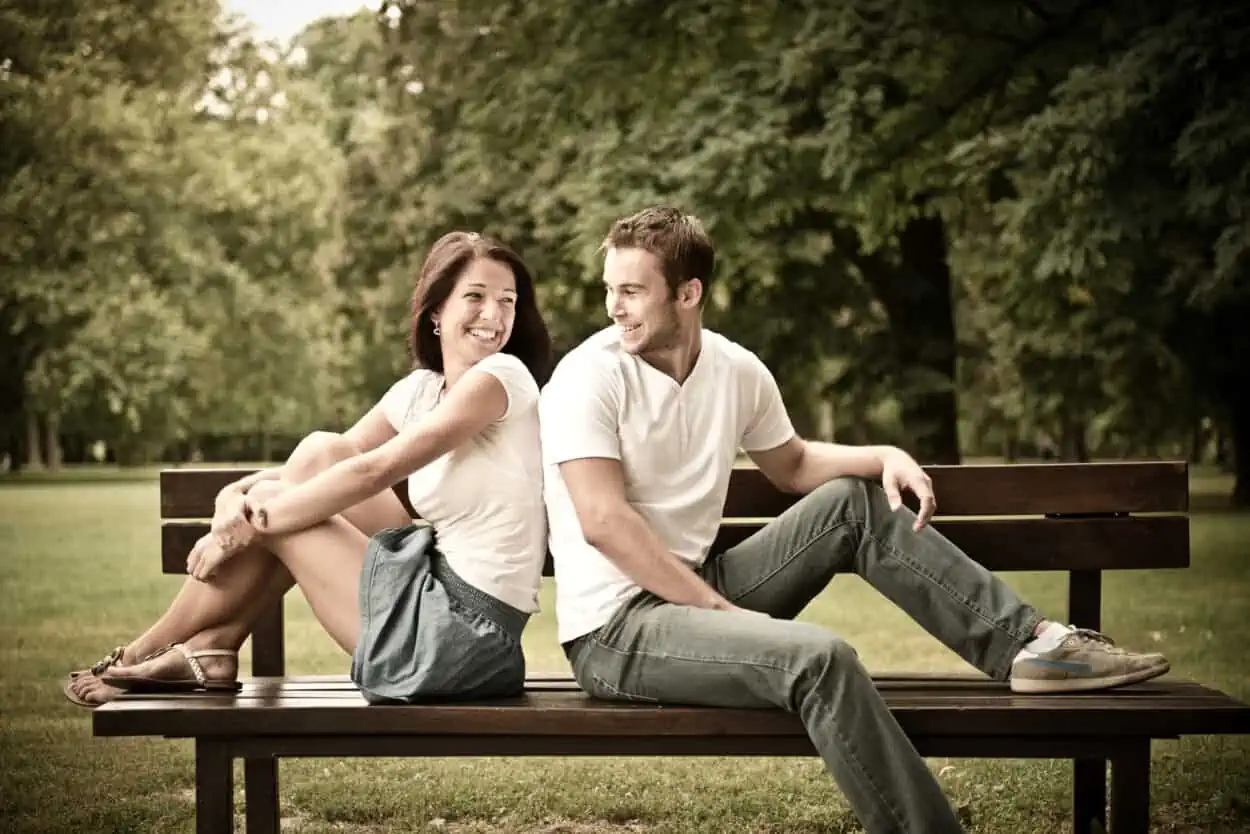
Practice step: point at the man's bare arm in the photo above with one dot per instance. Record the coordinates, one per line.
(612, 526)
(800, 465)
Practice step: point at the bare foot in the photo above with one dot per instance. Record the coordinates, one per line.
(93, 691)
(85, 684)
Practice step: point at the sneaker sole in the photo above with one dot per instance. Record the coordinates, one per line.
(1037, 686)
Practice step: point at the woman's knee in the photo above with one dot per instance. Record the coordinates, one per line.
(318, 451)
(264, 490)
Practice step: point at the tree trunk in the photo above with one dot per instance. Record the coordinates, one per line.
(53, 456)
(920, 309)
(1240, 451)
(1198, 442)
(1073, 444)
(1224, 453)
(916, 294)
(34, 458)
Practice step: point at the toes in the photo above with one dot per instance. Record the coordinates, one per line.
(99, 693)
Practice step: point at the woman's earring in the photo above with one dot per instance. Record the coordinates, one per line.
(436, 330)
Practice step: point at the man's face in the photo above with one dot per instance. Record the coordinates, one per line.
(640, 302)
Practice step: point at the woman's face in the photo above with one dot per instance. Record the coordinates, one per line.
(476, 319)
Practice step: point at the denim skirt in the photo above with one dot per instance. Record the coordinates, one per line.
(425, 633)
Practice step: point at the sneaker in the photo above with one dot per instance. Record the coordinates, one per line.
(1084, 660)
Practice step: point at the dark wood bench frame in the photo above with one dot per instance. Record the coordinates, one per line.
(1079, 518)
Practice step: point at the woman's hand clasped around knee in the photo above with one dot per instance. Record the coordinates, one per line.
(230, 532)
(231, 527)
(206, 557)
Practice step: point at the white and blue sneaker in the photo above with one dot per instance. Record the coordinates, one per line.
(1066, 659)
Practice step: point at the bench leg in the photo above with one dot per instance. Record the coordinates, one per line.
(1130, 790)
(260, 793)
(214, 787)
(1089, 795)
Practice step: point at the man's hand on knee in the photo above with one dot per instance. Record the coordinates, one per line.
(899, 471)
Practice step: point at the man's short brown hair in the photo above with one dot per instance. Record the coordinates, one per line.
(677, 239)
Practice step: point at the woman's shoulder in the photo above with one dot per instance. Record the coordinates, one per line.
(511, 372)
(408, 393)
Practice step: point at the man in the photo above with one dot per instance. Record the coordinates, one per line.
(640, 428)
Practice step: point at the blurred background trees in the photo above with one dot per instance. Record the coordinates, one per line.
(1010, 229)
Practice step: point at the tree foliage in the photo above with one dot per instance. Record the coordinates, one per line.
(966, 228)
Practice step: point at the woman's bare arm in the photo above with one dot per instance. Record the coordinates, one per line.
(478, 400)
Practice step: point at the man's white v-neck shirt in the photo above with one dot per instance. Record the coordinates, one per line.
(676, 444)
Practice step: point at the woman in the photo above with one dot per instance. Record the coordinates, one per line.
(425, 611)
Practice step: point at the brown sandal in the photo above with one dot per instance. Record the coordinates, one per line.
(113, 658)
(200, 683)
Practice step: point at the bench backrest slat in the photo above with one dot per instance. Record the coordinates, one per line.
(1032, 489)
(1052, 544)
(1097, 534)
(999, 544)
(1017, 489)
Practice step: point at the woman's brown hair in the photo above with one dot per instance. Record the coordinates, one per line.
(449, 257)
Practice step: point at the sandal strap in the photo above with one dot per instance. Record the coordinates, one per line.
(215, 653)
(113, 658)
(196, 668)
(192, 658)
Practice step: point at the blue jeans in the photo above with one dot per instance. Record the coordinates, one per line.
(654, 651)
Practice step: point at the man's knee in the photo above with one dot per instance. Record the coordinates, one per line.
(318, 451)
(833, 655)
(825, 660)
(847, 493)
(838, 652)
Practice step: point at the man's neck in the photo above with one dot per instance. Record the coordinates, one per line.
(678, 361)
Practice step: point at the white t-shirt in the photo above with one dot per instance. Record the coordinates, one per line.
(676, 443)
(484, 498)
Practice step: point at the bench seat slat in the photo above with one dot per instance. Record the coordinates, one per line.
(998, 544)
(1158, 709)
(1014, 747)
(1012, 489)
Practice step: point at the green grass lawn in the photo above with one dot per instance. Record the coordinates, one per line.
(79, 572)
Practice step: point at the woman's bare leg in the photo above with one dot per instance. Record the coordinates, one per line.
(219, 613)
(325, 559)
(228, 635)
(251, 583)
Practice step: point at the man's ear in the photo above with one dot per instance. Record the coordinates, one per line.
(690, 293)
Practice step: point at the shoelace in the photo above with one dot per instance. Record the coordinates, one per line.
(1088, 635)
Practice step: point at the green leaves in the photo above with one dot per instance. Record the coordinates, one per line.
(171, 266)
(1042, 207)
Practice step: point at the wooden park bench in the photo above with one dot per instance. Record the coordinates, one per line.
(1079, 518)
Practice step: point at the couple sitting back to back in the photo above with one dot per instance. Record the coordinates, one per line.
(620, 466)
